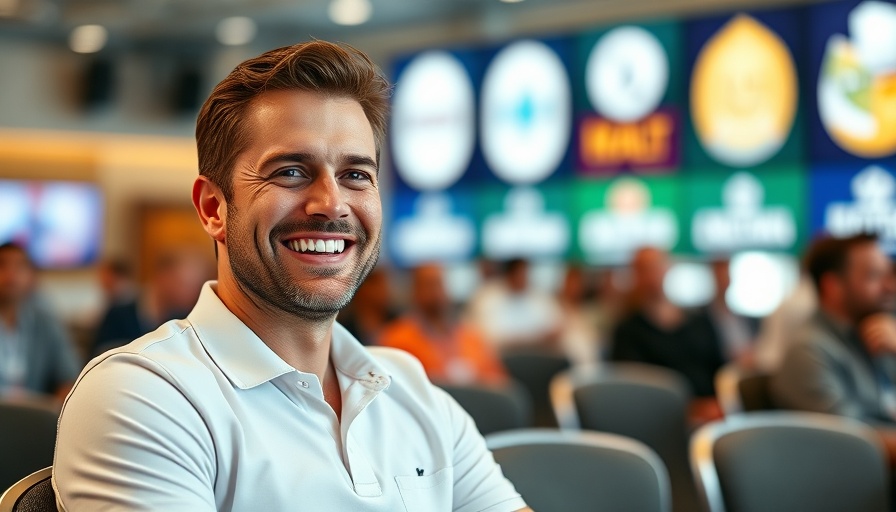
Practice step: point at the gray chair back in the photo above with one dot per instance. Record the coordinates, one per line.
(644, 402)
(27, 439)
(34, 493)
(565, 471)
(786, 461)
(534, 369)
(494, 408)
(741, 390)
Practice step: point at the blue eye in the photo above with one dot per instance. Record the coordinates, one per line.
(358, 175)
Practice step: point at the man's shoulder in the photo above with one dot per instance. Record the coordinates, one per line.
(166, 348)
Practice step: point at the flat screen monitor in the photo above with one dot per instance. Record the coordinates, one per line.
(58, 222)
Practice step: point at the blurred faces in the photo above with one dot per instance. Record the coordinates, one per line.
(303, 225)
(430, 297)
(866, 284)
(721, 276)
(649, 267)
(517, 276)
(17, 275)
(177, 281)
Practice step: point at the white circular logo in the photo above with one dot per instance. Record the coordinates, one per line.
(626, 74)
(526, 112)
(433, 121)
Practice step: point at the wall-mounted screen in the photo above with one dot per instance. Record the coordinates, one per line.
(58, 222)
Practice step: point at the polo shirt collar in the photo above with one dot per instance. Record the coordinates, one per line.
(248, 362)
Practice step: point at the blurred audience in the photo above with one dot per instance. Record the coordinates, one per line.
(117, 281)
(371, 309)
(512, 314)
(843, 360)
(656, 331)
(777, 329)
(579, 337)
(174, 281)
(36, 354)
(451, 352)
(733, 333)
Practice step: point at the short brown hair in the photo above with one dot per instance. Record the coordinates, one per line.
(319, 66)
(830, 254)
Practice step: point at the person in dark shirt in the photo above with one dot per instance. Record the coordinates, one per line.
(176, 277)
(656, 331)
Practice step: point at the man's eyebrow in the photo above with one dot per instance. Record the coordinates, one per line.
(308, 157)
(289, 157)
(361, 160)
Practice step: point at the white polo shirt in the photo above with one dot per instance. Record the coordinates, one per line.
(201, 415)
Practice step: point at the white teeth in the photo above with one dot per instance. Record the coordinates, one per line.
(320, 246)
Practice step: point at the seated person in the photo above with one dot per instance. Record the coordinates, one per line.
(451, 352)
(843, 360)
(512, 314)
(259, 400)
(658, 332)
(176, 276)
(36, 353)
(733, 333)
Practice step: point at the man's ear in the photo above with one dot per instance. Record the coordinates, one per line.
(208, 199)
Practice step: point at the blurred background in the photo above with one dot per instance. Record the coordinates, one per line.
(557, 131)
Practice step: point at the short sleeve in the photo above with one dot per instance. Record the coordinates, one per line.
(479, 484)
(129, 440)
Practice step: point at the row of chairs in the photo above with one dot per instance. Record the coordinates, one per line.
(761, 462)
(644, 404)
(648, 405)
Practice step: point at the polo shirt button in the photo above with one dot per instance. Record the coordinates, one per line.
(303, 383)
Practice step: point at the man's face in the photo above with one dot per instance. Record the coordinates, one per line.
(649, 268)
(867, 282)
(16, 276)
(430, 296)
(303, 223)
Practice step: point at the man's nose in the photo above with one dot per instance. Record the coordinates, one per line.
(325, 199)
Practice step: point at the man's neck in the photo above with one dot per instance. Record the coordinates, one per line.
(838, 315)
(303, 344)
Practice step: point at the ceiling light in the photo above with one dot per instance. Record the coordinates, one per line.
(88, 38)
(350, 12)
(236, 31)
(511, 1)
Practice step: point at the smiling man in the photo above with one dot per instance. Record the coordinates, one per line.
(258, 400)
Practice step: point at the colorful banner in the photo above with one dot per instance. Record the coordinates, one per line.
(525, 222)
(744, 90)
(745, 210)
(627, 99)
(618, 216)
(853, 80)
(851, 199)
(432, 226)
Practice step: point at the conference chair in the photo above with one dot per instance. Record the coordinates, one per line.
(494, 408)
(785, 461)
(647, 403)
(566, 471)
(740, 390)
(34, 493)
(27, 438)
(534, 369)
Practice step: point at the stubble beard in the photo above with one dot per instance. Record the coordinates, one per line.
(259, 276)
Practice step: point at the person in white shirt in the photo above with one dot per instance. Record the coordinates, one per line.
(512, 314)
(258, 400)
